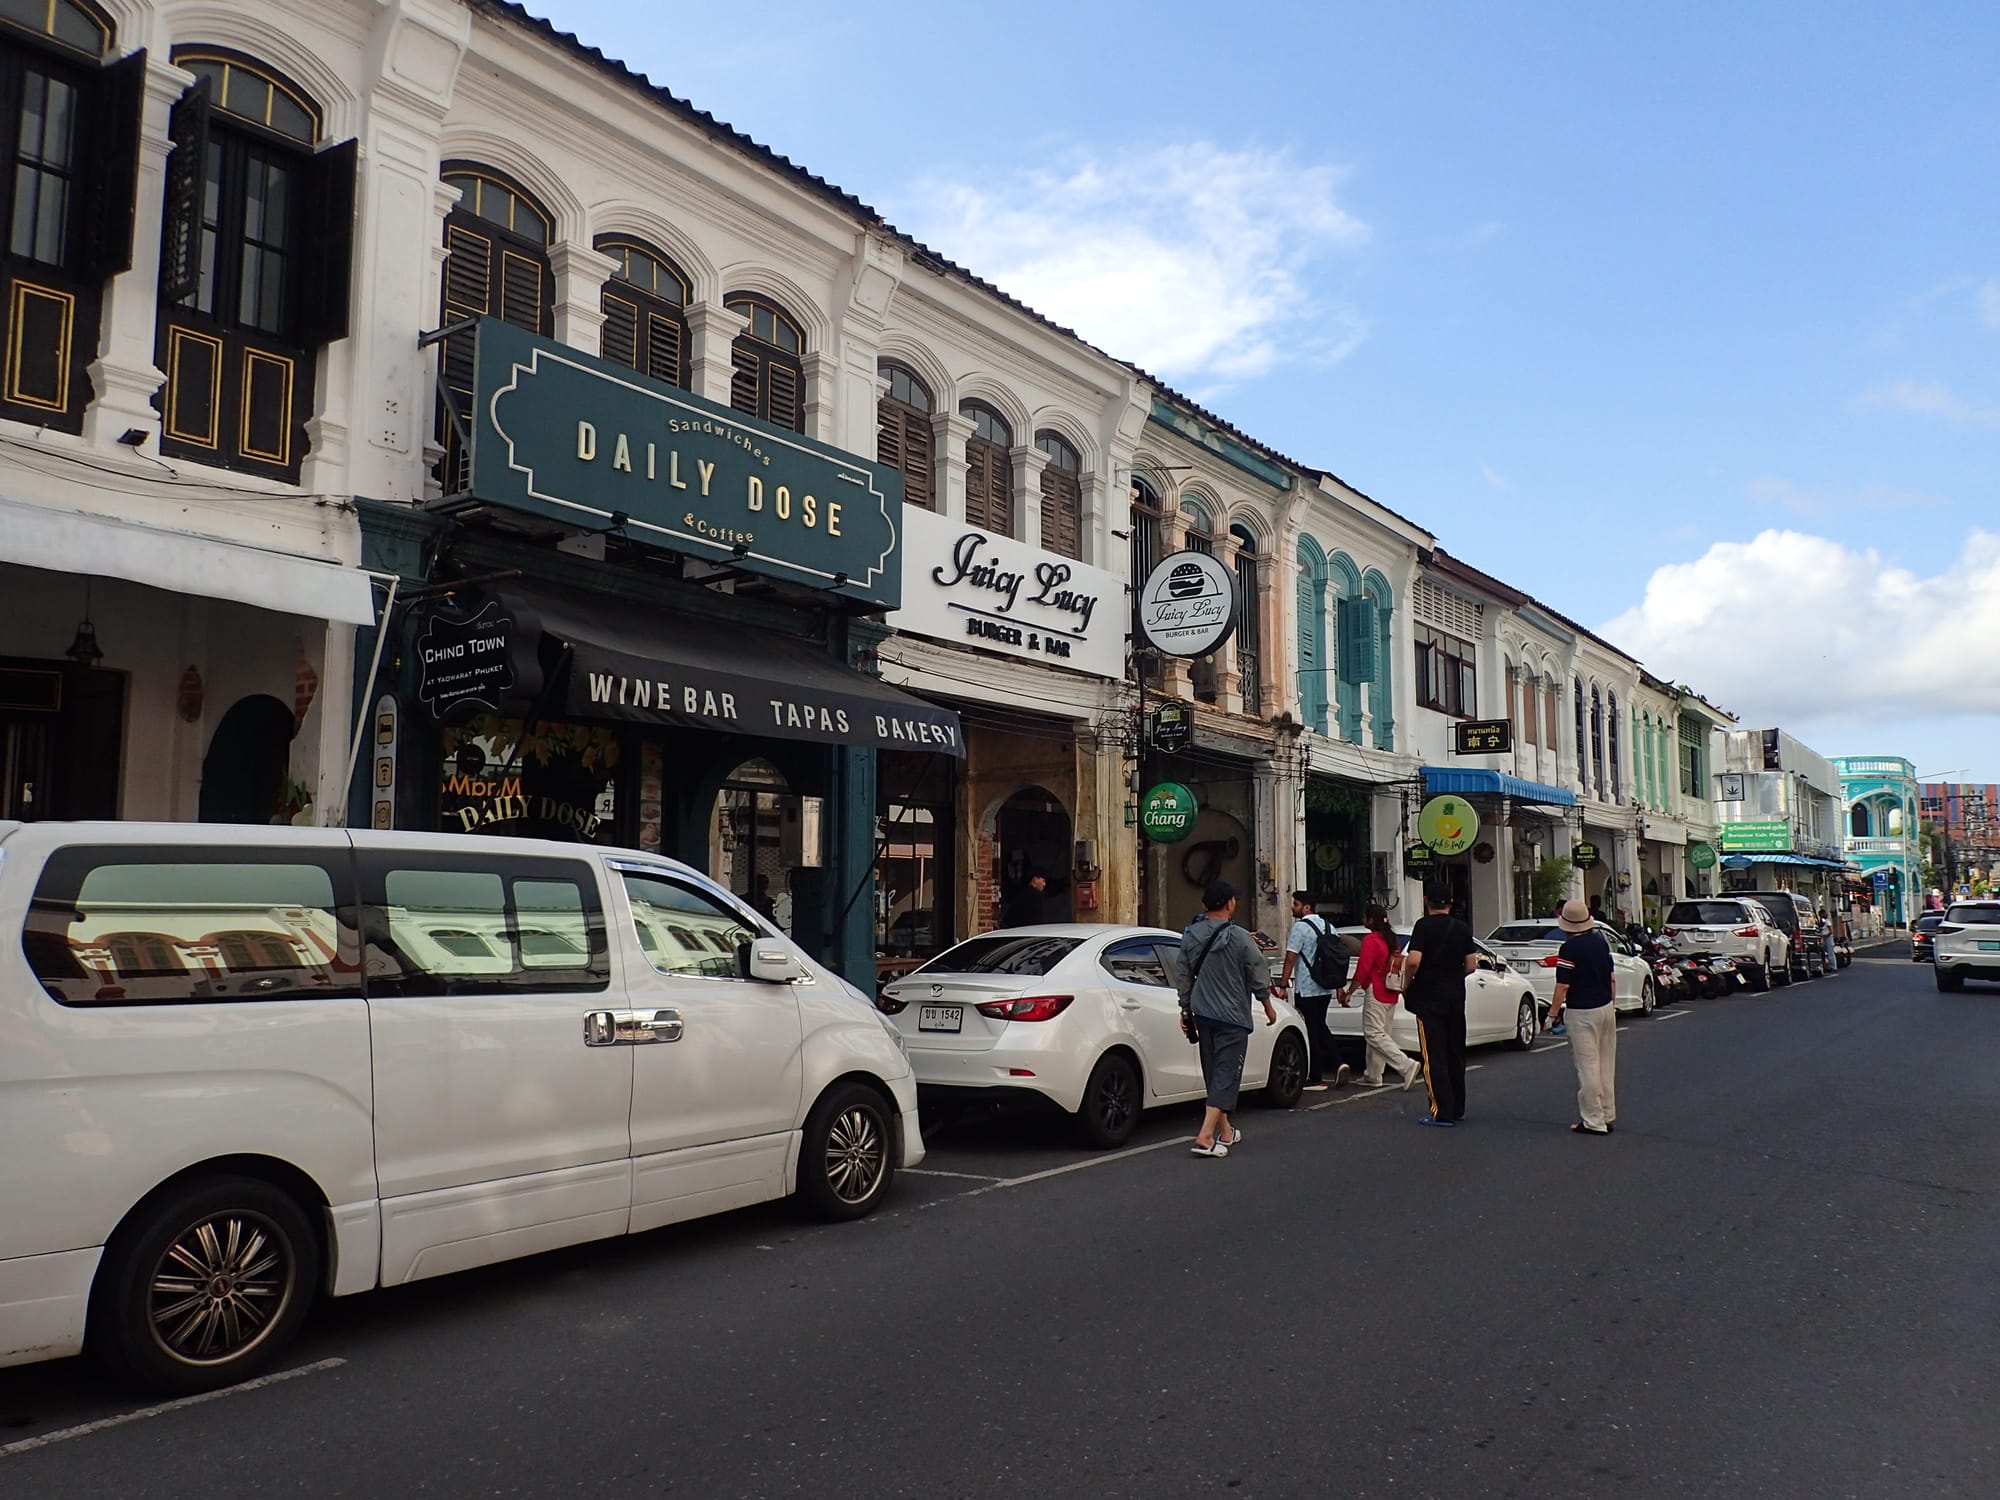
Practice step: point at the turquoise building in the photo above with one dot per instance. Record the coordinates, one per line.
(1879, 800)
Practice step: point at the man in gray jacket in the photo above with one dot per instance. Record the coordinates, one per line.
(1220, 969)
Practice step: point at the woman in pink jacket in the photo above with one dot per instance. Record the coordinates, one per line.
(1371, 975)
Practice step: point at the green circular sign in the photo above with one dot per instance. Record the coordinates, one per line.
(1448, 824)
(1701, 856)
(1167, 813)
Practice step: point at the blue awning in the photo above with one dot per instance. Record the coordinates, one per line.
(1467, 783)
(1807, 861)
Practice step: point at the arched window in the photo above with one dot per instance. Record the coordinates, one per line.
(1582, 742)
(1314, 663)
(1513, 692)
(1617, 781)
(1249, 627)
(1382, 690)
(255, 258)
(1062, 495)
(1531, 707)
(1596, 740)
(1862, 827)
(244, 951)
(69, 158)
(904, 436)
(1147, 516)
(496, 241)
(989, 470)
(645, 311)
(768, 379)
(1198, 523)
(144, 955)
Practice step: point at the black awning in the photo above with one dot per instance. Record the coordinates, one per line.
(696, 675)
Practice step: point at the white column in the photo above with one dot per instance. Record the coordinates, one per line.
(712, 328)
(1029, 461)
(579, 305)
(1227, 698)
(822, 396)
(950, 432)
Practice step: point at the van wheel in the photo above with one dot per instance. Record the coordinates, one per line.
(1760, 977)
(1287, 1082)
(1950, 983)
(205, 1287)
(846, 1154)
(1782, 974)
(1110, 1109)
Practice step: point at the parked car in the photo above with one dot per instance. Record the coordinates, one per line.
(1967, 945)
(248, 1065)
(1923, 935)
(1530, 947)
(1735, 927)
(1500, 1004)
(1082, 1015)
(1805, 946)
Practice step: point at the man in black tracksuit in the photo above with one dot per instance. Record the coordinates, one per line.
(1440, 955)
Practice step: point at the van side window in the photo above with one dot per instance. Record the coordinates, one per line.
(177, 925)
(686, 931)
(467, 924)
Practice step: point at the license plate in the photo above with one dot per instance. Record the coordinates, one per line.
(941, 1018)
(1986, 947)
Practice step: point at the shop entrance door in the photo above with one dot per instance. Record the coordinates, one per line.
(25, 784)
(1032, 834)
(764, 838)
(61, 729)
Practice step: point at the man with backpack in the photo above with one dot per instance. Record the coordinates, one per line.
(1318, 956)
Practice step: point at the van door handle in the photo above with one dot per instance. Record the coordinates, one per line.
(600, 1028)
(639, 1027)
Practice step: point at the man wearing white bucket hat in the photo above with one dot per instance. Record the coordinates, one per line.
(1584, 986)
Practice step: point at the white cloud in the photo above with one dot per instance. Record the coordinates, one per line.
(1800, 502)
(1792, 628)
(1498, 482)
(1932, 398)
(1188, 260)
(1989, 303)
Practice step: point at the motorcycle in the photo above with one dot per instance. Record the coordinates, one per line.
(1727, 975)
(1696, 976)
(1668, 984)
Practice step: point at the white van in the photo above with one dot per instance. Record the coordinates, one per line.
(241, 1066)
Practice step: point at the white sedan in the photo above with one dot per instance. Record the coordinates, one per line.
(1085, 1016)
(1500, 1004)
(1531, 948)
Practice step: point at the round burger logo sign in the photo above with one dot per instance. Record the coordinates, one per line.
(1187, 605)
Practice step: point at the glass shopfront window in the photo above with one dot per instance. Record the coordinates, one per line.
(913, 875)
(554, 780)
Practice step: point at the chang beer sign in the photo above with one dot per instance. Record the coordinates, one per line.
(586, 443)
(1167, 813)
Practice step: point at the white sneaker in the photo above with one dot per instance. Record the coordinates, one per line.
(1410, 1080)
(1218, 1149)
(1340, 1075)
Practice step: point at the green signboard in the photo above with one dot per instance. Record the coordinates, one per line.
(1584, 856)
(1701, 856)
(1448, 824)
(1417, 858)
(1760, 836)
(1167, 813)
(591, 444)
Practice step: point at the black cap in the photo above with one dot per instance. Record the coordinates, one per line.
(1216, 895)
(1437, 894)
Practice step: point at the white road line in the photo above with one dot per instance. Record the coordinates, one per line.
(968, 1176)
(1672, 1015)
(47, 1439)
(1078, 1166)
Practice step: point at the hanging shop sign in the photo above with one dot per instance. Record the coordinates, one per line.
(1167, 813)
(1187, 605)
(972, 588)
(1173, 727)
(477, 658)
(1448, 824)
(1701, 856)
(1482, 737)
(596, 446)
(1417, 858)
(1758, 836)
(1584, 856)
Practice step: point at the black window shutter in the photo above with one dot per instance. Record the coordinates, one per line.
(328, 252)
(117, 97)
(180, 239)
(744, 382)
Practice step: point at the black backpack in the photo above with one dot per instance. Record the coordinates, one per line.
(1329, 962)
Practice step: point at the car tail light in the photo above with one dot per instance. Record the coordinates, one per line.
(1670, 932)
(1034, 1008)
(1748, 932)
(1551, 960)
(890, 1006)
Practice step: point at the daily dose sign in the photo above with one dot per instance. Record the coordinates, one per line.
(581, 441)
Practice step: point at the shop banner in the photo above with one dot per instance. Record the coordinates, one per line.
(1758, 836)
(593, 445)
(972, 588)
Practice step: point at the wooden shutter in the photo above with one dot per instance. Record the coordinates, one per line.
(327, 254)
(1357, 639)
(989, 487)
(620, 339)
(180, 240)
(663, 349)
(520, 289)
(117, 97)
(1062, 512)
(782, 382)
(903, 443)
(468, 272)
(746, 365)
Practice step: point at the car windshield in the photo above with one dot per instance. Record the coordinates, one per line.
(1975, 914)
(1003, 953)
(1929, 920)
(1705, 913)
(1527, 932)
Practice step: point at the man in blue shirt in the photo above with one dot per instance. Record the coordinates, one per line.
(1584, 985)
(1309, 930)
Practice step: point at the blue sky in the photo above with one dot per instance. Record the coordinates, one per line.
(1685, 318)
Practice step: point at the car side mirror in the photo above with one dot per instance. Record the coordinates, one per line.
(773, 963)
(1486, 963)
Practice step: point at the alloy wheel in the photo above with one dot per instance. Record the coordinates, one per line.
(1526, 1024)
(857, 1150)
(1113, 1100)
(221, 1286)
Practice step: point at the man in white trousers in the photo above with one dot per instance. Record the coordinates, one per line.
(1584, 989)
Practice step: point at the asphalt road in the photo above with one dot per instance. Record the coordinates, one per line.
(1778, 1279)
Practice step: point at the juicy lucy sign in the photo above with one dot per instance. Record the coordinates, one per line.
(972, 588)
(591, 444)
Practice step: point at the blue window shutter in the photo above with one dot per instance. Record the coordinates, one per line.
(1357, 639)
(1312, 681)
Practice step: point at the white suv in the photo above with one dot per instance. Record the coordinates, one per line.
(1967, 944)
(1733, 927)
